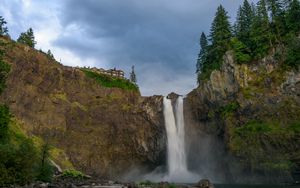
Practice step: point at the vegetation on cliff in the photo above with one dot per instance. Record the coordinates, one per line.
(248, 77)
(272, 26)
(21, 161)
(109, 81)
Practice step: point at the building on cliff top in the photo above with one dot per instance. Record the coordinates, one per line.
(111, 72)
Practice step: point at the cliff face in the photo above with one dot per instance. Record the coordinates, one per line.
(101, 131)
(255, 110)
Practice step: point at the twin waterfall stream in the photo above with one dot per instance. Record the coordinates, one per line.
(176, 154)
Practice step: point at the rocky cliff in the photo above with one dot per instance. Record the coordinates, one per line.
(255, 110)
(99, 130)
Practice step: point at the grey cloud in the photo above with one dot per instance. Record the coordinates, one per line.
(159, 37)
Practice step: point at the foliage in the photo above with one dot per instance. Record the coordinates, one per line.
(108, 81)
(271, 27)
(260, 34)
(4, 67)
(50, 55)
(262, 144)
(133, 76)
(227, 110)
(45, 169)
(220, 34)
(3, 28)
(71, 173)
(4, 121)
(241, 52)
(21, 161)
(293, 16)
(27, 38)
(202, 56)
(243, 23)
(293, 54)
(18, 158)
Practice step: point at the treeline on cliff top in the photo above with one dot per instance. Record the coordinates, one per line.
(269, 27)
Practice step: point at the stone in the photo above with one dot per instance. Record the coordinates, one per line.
(204, 183)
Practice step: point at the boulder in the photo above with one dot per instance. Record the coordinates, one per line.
(205, 183)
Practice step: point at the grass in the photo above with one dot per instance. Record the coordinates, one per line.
(71, 173)
(111, 82)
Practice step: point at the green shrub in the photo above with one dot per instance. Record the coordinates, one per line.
(21, 162)
(229, 109)
(108, 81)
(17, 162)
(4, 68)
(293, 54)
(71, 173)
(4, 121)
(241, 52)
(45, 169)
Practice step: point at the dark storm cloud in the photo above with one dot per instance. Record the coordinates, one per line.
(159, 37)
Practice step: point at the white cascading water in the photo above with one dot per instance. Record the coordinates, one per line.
(177, 161)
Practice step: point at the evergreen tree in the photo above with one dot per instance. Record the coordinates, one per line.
(277, 18)
(45, 170)
(293, 16)
(202, 53)
(220, 34)
(244, 21)
(3, 28)
(132, 75)
(202, 56)
(27, 38)
(50, 55)
(260, 34)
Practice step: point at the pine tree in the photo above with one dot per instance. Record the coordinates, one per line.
(244, 21)
(293, 16)
(50, 55)
(132, 75)
(202, 53)
(278, 25)
(27, 38)
(3, 28)
(260, 34)
(220, 34)
(202, 56)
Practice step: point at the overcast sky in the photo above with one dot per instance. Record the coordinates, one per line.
(159, 37)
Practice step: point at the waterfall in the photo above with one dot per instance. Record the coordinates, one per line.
(176, 161)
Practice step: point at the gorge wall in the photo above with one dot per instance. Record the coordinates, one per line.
(254, 112)
(98, 130)
(241, 124)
